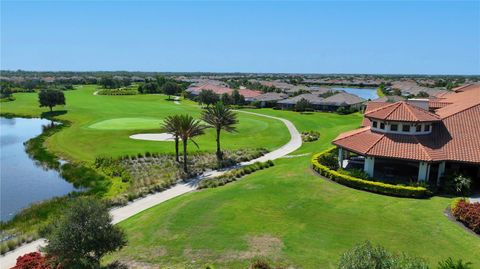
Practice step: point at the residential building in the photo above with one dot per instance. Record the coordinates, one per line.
(418, 140)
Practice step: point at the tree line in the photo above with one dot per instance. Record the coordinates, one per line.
(209, 97)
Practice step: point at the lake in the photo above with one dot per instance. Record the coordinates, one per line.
(365, 93)
(22, 181)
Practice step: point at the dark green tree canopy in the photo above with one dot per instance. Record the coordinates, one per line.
(226, 99)
(207, 97)
(51, 98)
(237, 98)
(83, 235)
(170, 88)
(149, 87)
(303, 105)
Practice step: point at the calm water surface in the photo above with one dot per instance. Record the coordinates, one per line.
(22, 182)
(365, 93)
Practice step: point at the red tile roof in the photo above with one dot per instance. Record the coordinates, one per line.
(456, 137)
(401, 111)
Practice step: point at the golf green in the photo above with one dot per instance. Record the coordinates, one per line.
(127, 124)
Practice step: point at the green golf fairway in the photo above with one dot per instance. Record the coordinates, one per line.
(127, 124)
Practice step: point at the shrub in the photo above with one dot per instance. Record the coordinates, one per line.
(458, 185)
(451, 264)
(310, 136)
(233, 175)
(372, 186)
(84, 234)
(259, 264)
(329, 160)
(32, 260)
(367, 256)
(468, 214)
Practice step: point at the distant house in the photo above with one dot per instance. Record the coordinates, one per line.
(342, 99)
(270, 99)
(411, 140)
(332, 103)
(218, 89)
(290, 103)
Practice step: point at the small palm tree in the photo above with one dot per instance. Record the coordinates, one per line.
(189, 128)
(171, 125)
(221, 118)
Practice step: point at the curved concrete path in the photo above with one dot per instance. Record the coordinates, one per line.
(122, 213)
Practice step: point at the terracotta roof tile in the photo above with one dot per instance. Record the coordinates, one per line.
(402, 111)
(455, 138)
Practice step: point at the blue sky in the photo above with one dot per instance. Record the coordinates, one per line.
(297, 37)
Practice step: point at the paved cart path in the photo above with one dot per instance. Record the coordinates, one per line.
(121, 213)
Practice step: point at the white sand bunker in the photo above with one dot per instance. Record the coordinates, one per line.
(153, 137)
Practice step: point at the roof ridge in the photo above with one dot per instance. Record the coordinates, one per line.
(462, 110)
(409, 109)
(354, 133)
(398, 104)
(380, 108)
(376, 142)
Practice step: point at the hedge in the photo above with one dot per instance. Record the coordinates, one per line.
(367, 185)
(234, 175)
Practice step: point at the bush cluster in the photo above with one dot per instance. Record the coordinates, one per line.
(16, 241)
(367, 255)
(367, 185)
(234, 175)
(153, 172)
(310, 136)
(467, 213)
(32, 260)
(457, 185)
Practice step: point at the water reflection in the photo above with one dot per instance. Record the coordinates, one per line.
(22, 180)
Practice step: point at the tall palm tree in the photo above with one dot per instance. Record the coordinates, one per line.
(171, 125)
(221, 118)
(189, 128)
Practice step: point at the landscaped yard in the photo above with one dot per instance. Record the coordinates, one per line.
(101, 125)
(292, 216)
(286, 212)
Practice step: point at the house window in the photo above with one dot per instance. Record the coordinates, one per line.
(394, 127)
(418, 128)
(374, 124)
(406, 128)
(427, 127)
(382, 125)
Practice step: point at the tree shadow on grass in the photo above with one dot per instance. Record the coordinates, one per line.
(51, 114)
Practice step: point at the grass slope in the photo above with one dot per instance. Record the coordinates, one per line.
(292, 216)
(112, 119)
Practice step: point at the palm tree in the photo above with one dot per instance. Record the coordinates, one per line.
(221, 118)
(171, 125)
(189, 128)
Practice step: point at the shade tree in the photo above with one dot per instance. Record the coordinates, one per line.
(51, 98)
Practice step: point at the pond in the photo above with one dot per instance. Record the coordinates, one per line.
(22, 181)
(365, 93)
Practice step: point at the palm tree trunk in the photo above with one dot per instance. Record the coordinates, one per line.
(50, 108)
(185, 168)
(219, 151)
(176, 149)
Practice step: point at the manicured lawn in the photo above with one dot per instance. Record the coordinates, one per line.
(292, 216)
(127, 124)
(101, 125)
